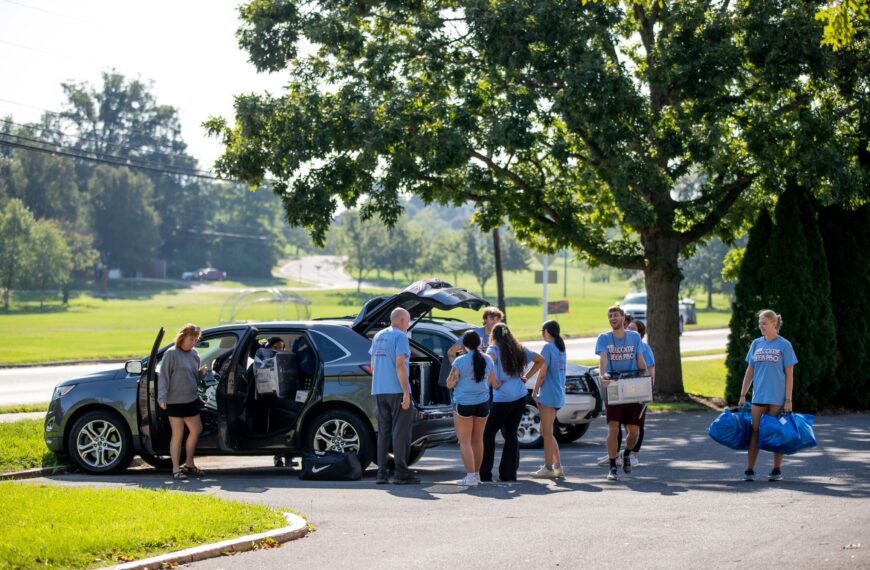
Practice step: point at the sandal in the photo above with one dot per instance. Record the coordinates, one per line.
(194, 471)
(179, 475)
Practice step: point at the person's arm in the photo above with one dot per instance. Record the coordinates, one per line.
(538, 364)
(652, 374)
(789, 385)
(747, 382)
(403, 381)
(641, 362)
(602, 369)
(453, 352)
(492, 381)
(166, 368)
(452, 378)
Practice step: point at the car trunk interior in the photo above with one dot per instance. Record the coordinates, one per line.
(427, 387)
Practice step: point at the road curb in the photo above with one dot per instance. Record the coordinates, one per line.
(35, 473)
(68, 362)
(297, 528)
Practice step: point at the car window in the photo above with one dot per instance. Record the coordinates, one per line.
(214, 351)
(328, 349)
(435, 342)
(634, 299)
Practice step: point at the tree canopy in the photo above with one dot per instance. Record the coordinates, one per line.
(572, 121)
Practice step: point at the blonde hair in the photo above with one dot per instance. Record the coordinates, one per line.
(770, 315)
(616, 308)
(187, 330)
(492, 311)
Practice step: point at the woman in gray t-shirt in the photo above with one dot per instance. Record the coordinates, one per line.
(180, 372)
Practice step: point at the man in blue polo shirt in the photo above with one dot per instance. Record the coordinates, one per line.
(620, 351)
(391, 355)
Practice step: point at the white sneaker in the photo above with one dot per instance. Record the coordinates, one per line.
(604, 460)
(468, 481)
(543, 473)
(635, 462)
(559, 471)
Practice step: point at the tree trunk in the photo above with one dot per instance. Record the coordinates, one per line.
(499, 272)
(709, 293)
(663, 315)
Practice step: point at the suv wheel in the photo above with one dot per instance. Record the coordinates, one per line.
(100, 442)
(566, 433)
(341, 431)
(529, 432)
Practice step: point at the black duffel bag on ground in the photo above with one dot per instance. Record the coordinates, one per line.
(331, 467)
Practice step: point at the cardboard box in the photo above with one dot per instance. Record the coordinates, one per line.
(637, 390)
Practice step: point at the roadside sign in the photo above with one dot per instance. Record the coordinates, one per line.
(557, 307)
(539, 276)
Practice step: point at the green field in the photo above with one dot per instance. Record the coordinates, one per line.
(45, 526)
(22, 446)
(126, 324)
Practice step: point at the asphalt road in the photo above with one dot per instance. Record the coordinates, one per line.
(684, 508)
(34, 385)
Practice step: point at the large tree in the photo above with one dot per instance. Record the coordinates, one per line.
(52, 263)
(16, 227)
(571, 120)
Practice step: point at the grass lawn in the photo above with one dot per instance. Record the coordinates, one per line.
(22, 446)
(45, 526)
(125, 325)
(705, 377)
(22, 408)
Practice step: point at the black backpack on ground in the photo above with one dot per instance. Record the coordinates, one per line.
(331, 467)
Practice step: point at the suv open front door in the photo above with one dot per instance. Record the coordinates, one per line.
(150, 429)
(233, 392)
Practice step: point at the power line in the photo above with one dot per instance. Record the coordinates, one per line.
(51, 53)
(92, 138)
(71, 17)
(126, 160)
(105, 159)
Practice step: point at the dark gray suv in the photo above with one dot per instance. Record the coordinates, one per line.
(322, 401)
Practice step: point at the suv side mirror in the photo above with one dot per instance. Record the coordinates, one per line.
(133, 367)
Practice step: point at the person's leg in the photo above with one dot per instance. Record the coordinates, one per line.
(464, 426)
(194, 427)
(478, 426)
(636, 448)
(510, 454)
(402, 424)
(177, 425)
(752, 454)
(612, 439)
(631, 440)
(385, 434)
(619, 439)
(497, 414)
(548, 417)
(777, 457)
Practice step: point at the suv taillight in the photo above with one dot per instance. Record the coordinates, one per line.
(367, 368)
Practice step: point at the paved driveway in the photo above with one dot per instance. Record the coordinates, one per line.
(685, 508)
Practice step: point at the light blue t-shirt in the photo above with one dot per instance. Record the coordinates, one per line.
(552, 392)
(622, 353)
(513, 387)
(769, 359)
(484, 339)
(648, 357)
(469, 391)
(387, 345)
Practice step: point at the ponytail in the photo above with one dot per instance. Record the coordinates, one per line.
(554, 330)
(471, 341)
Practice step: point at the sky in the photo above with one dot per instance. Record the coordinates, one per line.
(186, 47)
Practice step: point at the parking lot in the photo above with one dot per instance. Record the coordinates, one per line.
(684, 508)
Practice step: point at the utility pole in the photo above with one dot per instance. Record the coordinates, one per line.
(499, 272)
(565, 277)
(546, 283)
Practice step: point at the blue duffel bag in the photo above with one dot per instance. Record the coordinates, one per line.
(732, 429)
(786, 433)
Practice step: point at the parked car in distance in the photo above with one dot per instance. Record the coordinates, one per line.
(210, 274)
(188, 275)
(319, 400)
(634, 305)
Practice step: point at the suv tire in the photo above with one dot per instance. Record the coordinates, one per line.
(341, 431)
(529, 432)
(566, 433)
(100, 443)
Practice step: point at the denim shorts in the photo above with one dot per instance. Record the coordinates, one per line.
(469, 410)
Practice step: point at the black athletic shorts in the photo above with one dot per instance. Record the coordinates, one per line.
(183, 410)
(469, 410)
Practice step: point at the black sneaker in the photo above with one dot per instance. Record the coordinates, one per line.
(409, 480)
(749, 475)
(382, 480)
(775, 475)
(612, 476)
(626, 464)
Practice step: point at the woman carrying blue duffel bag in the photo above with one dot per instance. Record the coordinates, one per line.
(771, 361)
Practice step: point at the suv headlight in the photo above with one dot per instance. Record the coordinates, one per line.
(62, 391)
